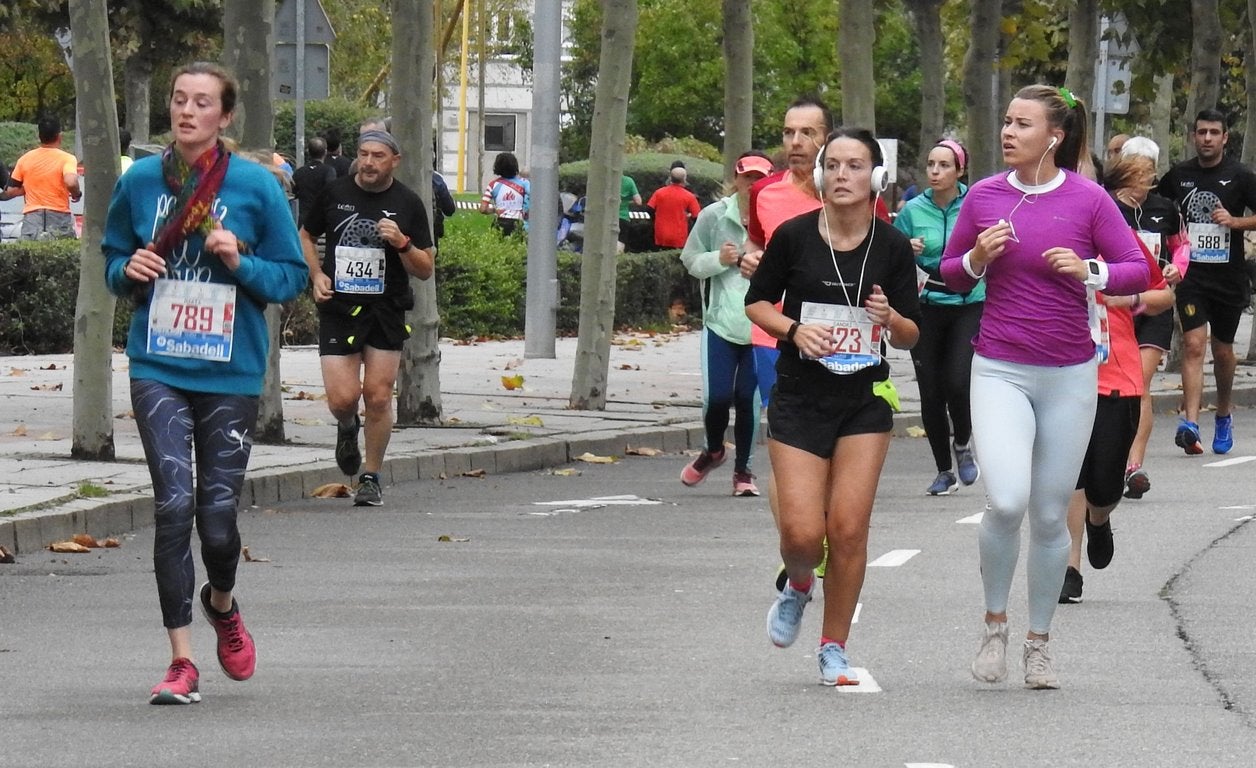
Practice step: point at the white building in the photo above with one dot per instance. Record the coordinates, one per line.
(502, 124)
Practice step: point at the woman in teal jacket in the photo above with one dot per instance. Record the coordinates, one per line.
(943, 355)
(713, 255)
(202, 240)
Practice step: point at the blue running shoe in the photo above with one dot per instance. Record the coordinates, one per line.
(834, 668)
(943, 485)
(1223, 440)
(1187, 437)
(966, 464)
(785, 615)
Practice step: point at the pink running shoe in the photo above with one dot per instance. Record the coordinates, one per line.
(236, 653)
(697, 470)
(743, 484)
(180, 686)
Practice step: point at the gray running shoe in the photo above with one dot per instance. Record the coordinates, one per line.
(990, 666)
(369, 493)
(1039, 671)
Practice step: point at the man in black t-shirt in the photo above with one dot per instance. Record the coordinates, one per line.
(1213, 192)
(309, 180)
(377, 235)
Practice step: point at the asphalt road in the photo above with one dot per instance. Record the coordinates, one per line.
(607, 633)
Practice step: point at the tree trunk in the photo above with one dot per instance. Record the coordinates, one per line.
(927, 18)
(137, 75)
(738, 81)
(1162, 120)
(855, 36)
(1205, 62)
(606, 162)
(1083, 49)
(411, 97)
(248, 39)
(981, 88)
(93, 310)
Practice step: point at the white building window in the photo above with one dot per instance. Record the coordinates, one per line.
(499, 133)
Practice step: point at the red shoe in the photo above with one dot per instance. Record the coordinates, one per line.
(180, 686)
(743, 484)
(697, 470)
(236, 653)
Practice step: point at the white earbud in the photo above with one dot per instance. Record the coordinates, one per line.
(1052, 142)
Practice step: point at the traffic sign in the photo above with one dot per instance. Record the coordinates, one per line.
(317, 25)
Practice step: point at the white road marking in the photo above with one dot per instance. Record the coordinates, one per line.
(600, 501)
(894, 557)
(1242, 519)
(855, 619)
(1241, 506)
(867, 683)
(1231, 462)
(928, 765)
(971, 519)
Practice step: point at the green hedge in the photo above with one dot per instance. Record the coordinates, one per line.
(481, 287)
(16, 139)
(38, 290)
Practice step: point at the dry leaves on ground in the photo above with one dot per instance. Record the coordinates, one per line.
(47, 387)
(478, 473)
(590, 458)
(19, 431)
(248, 558)
(82, 543)
(447, 537)
(526, 421)
(642, 451)
(914, 431)
(52, 367)
(565, 472)
(513, 364)
(5, 555)
(331, 491)
(303, 395)
(513, 382)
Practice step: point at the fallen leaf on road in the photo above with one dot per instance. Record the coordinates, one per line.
(86, 539)
(915, 432)
(47, 387)
(310, 422)
(513, 364)
(447, 537)
(331, 491)
(592, 459)
(126, 415)
(565, 472)
(5, 555)
(303, 395)
(49, 436)
(68, 547)
(512, 382)
(20, 431)
(51, 367)
(17, 371)
(453, 420)
(629, 367)
(526, 421)
(642, 451)
(475, 473)
(248, 558)
(111, 543)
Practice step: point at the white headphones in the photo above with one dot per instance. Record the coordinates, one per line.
(880, 176)
(1052, 143)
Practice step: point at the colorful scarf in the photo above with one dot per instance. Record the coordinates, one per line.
(195, 186)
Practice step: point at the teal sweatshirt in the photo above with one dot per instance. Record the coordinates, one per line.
(723, 287)
(922, 218)
(253, 207)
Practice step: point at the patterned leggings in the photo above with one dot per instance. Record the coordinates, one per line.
(173, 423)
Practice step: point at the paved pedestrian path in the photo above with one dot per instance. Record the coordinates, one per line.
(654, 398)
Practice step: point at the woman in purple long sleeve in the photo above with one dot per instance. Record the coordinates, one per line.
(1035, 234)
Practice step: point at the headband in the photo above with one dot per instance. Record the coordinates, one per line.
(960, 155)
(381, 137)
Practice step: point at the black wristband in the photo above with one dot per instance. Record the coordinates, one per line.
(789, 335)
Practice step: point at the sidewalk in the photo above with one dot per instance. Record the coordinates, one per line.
(654, 400)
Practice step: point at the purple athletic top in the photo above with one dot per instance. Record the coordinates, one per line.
(1034, 316)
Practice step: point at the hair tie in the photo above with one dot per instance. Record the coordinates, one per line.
(961, 155)
(1068, 97)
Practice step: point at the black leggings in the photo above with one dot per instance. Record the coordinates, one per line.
(170, 422)
(943, 358)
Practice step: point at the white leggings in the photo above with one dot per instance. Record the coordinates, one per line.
(1031, 425)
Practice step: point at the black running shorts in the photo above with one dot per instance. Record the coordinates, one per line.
(813, 422)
